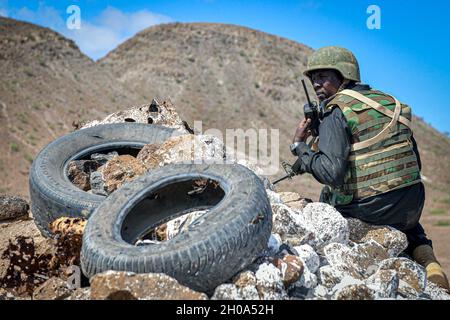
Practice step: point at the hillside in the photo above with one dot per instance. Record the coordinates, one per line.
(227, 76)
(46, 84)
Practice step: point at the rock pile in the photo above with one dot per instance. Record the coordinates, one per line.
(313, 251)
(105, 173)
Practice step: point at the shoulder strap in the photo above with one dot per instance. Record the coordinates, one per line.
(377, 106)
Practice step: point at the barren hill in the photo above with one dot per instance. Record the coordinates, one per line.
(227, 76)
(46, 84)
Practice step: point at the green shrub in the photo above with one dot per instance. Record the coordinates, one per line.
(438, 212)
(443, 223)
(14, 147)
(28, 158)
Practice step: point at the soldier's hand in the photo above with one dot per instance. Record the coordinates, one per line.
(302, 133)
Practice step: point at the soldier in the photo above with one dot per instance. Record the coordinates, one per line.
(367, 156)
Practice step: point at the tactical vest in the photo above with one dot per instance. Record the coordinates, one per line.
(382, 157)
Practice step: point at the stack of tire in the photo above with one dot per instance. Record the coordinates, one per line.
(231, 234)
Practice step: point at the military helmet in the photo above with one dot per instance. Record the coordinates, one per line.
(335, 58)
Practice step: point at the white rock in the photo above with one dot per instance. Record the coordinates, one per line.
(290, 226)
(307, 280)
(360, 261)
(252, 166)
(274, 197)
(246, 285)
(162, 114)
(408, 272)
(384, 283)
(350, 288)
(346, 281)
(187, 149)
(327, 224)
(318, 292)
(177, 225)
(249, 293)
(309, 257)
(436, 292)
(406, 291)
(226, 291)
(329, 276)
(294, 200)
(274, 243)
(354, 292)
(270, 283)
(336, 253)
(393, 240)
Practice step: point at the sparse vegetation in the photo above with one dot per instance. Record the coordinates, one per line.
(443, 223)
(29, 73)
(438, 212)
(32, 139)
(22, 117)
(28, 158)
(14, 147)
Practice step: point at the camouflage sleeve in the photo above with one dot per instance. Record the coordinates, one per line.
(329, 164)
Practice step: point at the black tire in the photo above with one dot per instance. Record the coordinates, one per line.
(217, 245)
(52, 193)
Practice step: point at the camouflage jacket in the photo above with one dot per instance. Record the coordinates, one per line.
(381, 158)
(331, 165)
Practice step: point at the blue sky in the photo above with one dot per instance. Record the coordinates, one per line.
(408, 57)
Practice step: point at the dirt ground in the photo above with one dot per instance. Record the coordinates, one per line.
(441, 242)
(11, 229)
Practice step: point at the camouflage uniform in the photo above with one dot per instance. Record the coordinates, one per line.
(370, 140)
(382, 158)
(370, 165)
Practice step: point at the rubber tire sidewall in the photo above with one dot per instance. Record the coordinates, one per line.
(51, 192)
(230, 236)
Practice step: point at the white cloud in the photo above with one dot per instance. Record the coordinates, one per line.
(129, 23)
(111, 28)
(4, 8)
(44, 15)
(100, 35)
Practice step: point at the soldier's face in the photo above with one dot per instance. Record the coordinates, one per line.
(326, 83)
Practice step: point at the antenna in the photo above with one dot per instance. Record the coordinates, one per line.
(306, 91)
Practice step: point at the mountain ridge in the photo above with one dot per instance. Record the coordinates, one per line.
(228, 76)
